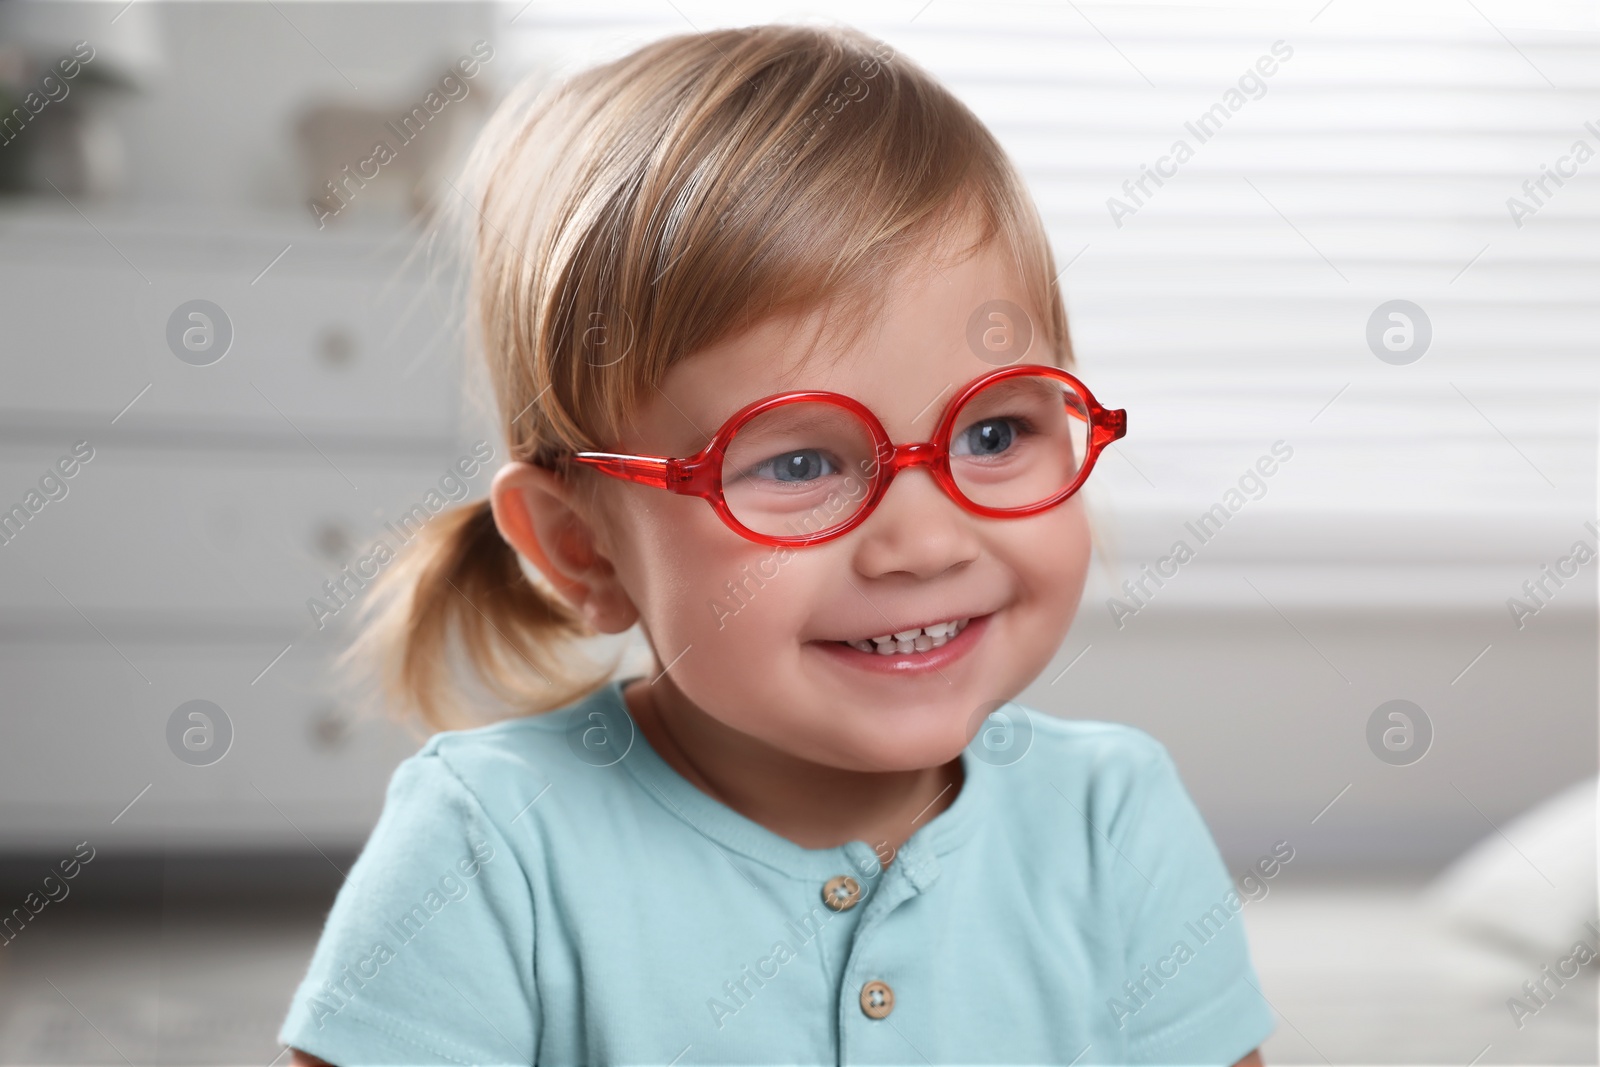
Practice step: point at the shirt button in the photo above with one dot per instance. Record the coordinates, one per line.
(841, 892)
(877, 999)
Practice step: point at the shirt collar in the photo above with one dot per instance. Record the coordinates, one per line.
(729, 829)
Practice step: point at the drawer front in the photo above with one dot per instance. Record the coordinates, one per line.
(89, 728)
(200, 539)
(313, 346)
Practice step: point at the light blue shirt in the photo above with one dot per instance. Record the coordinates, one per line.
(549, 890)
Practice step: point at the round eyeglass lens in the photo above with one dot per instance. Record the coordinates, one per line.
(1019, 441)
(799, 469)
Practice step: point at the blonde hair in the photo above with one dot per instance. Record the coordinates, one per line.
(635, 213)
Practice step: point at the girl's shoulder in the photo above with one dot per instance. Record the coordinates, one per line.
(1055, 743)
(1113, 773)
(1109, 739)
(505, 764)
(535, 732)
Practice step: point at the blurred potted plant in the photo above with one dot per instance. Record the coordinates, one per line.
(52, 126)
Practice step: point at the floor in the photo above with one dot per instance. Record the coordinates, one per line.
(140, 987)
(1356, 972)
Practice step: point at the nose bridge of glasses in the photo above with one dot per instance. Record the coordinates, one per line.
(897, 458)
(921, 453)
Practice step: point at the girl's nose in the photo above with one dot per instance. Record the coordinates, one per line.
(915, 530)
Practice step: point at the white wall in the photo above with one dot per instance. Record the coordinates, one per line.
(1228, 313)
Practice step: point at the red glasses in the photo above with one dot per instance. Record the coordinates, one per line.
(806, 467)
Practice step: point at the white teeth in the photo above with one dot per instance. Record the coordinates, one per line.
(921, 639)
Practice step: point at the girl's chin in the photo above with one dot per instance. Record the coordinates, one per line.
(897, 750)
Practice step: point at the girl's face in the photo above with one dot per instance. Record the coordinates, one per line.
(755, 636)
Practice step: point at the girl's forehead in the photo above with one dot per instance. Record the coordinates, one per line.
(921, 319)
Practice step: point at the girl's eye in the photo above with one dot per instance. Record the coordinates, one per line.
(990, 437)
(802, 465)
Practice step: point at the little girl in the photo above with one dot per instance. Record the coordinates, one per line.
(782, 367)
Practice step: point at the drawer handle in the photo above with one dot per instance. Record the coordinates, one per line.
(337, 346)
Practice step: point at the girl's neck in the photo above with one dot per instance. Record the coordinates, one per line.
(811, 804)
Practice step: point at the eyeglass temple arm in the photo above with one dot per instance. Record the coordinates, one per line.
(645, 470)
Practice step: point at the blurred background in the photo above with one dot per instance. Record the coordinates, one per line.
(1372, 268)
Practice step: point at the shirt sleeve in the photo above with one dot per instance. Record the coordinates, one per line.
(1189, 994)
(427, 954)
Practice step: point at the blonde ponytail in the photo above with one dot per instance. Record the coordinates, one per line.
(461, 581)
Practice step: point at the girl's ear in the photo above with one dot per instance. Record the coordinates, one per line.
(534, 512)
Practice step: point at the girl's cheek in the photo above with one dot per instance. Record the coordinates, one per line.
(1054, 558)
(751, 597)
(1072, 563)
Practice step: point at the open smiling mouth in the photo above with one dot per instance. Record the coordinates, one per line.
(914, 651)
(906, 642)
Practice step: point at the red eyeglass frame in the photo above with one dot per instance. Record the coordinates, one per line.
(701, 474)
